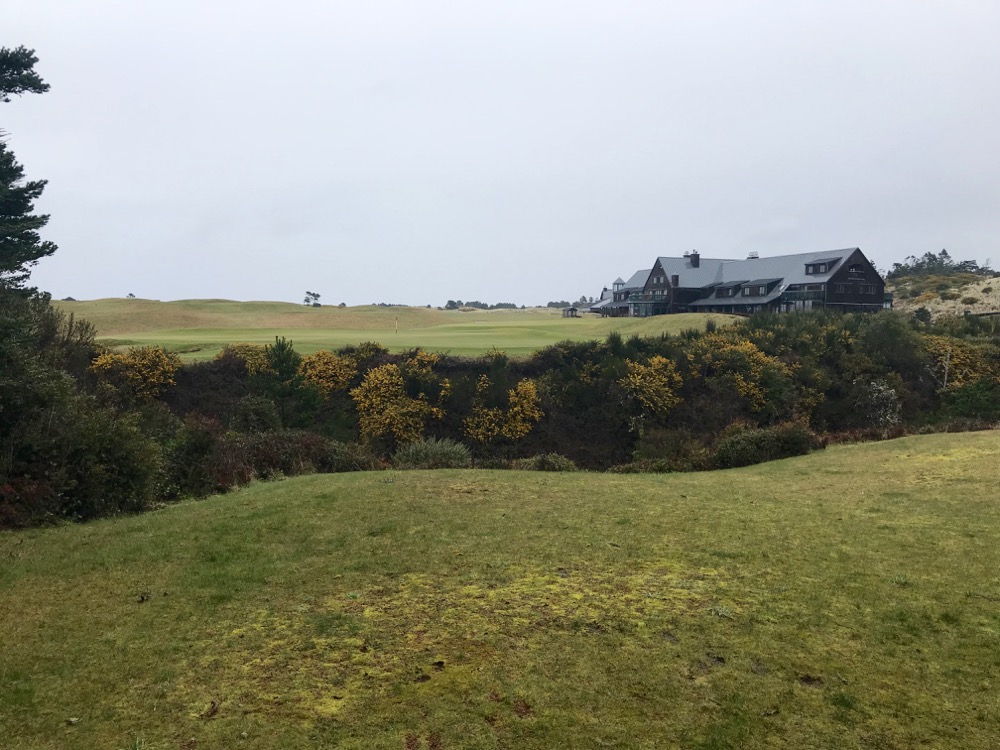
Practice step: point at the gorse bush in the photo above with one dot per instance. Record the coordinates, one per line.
(432, 453)
(140, 373)
(741, 445)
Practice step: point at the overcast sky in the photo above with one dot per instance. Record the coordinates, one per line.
(415, 151)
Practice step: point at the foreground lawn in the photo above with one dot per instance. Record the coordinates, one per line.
(846, 599)
(199, 329)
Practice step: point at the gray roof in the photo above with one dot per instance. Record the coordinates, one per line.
(637, 280)
(601, 303)
(715, 272)
(619, 280)
(790, 269)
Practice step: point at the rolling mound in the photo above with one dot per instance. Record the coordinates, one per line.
(843, 599)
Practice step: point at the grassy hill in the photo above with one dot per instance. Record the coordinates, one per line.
(198, 329)
(947, 295)
(845, 599)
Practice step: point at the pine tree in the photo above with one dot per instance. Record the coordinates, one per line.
(21, 247)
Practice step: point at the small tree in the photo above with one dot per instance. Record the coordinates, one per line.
(311, 300)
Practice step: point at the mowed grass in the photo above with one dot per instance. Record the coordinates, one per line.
(199, 329)
(848, 599)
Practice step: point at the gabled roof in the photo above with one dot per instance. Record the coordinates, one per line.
(791, 269)
(637, 280)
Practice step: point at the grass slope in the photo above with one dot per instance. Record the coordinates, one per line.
(198, 329)
(845, 599)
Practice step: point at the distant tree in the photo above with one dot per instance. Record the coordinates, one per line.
(311, 300)
(452, 305)
(130, 296)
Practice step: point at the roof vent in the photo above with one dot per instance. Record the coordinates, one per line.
(686, 253)
(752, 255)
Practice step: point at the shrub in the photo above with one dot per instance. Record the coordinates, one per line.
(140, 373)
(987, 290)
(544, 462)
(432, 453)
(979, 399)
(742, 446)
(98, 462)
(250, 359)
(26, 502)
(486, 424)
(678, 450)
(643, 466)
(970, 300)
(256, 414)
(386, 411)
(188, 457)
(241, 457)
(328, 372)
(354, 457)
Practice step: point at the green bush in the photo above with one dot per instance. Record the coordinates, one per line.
(979, 399)
(987, 290)
(644, 466)
(674, 450)
(432, 453)
(354, 457)
(256, 414)
(740, 445)
(241, 457)
(544, 462)
(98, 462)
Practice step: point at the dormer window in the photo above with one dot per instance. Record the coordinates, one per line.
(812, 268)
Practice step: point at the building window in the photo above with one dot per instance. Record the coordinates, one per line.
(816, 268)
(841, 288)
(868, 289)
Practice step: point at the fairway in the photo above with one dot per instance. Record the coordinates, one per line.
(845, 599)
(199, 329)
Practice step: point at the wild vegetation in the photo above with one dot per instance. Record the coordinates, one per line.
(768, 387)
(938, 285)
(844, 599)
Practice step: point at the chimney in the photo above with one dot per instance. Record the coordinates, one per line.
(695, 259)
(753, 255)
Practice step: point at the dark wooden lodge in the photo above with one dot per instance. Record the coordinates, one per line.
(842, 280)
